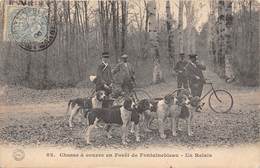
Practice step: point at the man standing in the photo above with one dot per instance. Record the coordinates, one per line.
(180, 70)
(104, 75)
(126, 74)
(195, 75)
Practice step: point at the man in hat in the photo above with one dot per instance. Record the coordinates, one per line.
(126, 74)
(180, 70)
(195, 75)
(104, 78)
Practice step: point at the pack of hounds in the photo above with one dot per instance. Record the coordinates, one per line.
(134, 114)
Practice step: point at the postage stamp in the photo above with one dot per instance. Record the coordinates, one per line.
(32, 28)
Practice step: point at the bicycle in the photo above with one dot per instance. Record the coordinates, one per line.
(220, 100)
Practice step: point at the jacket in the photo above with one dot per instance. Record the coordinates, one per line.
(180, 66)
(125, 70)
(104, 75)
(195, 69)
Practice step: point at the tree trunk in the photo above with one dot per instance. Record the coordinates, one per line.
(154, 43)
(104, 23)
(180, 27)
(2, 56)
(229, 74)
(124, 26)
(171, 49)
(77, 39)
(221, 39)
(191, 31)
(2, 9)
(86, 29)
(188, 6)
(212, 35)
(146, 47)
(114, 11)
(66, 42)
(258, 22)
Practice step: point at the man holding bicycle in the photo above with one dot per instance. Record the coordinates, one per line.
(126, 74)
(195, 75)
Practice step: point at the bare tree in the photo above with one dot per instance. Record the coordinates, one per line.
(2, 9)
(115, 27)
(229, 74)
(189, 5)
(212, 34)
(221, 38)
(86, 19)
(124, 25)
(169, 24)
(192, 18)
(145, 49)
(2, 56)
(104, 13)
(154, 43)
(258, 65)
(180, 26)
(137, 17)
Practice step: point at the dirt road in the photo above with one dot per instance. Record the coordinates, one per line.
(31, 117)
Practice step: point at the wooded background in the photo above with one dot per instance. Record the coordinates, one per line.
(151, 32)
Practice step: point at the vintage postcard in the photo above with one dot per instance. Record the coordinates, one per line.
(129, 83)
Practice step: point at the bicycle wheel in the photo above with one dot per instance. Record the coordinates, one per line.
(140, 94)
(221, 101)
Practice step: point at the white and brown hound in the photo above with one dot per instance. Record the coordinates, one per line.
(174, 108)
(81, 104)
(120, 115)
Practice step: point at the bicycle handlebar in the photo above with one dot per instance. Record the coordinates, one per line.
(208, 82)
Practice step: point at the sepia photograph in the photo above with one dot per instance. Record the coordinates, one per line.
(129, 83)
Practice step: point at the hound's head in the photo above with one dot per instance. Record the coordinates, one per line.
(128, 104)
(144, 105)
(100, 95)
(195, 101)
(183, 98)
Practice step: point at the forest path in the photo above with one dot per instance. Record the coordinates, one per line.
(18, 102)
(33, 116)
